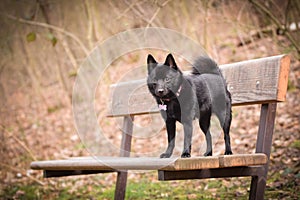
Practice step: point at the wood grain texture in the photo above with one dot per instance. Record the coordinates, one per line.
(150, 163)
(242, 160)
(283, 78)
(249, 82)
(104, 163)
(211, 173)
(193, 163)
(127, 130)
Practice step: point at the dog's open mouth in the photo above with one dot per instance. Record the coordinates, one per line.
(161, 93)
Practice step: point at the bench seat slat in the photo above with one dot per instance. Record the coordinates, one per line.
(150, 163)
(242, 160)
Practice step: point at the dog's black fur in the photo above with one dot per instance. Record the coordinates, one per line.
(186, 97)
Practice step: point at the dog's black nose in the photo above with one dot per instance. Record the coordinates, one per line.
(160, 91)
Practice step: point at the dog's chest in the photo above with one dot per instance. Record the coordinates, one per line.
(171, 109)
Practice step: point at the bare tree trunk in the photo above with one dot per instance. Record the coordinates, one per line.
(89, 12)
(60, 73)
(29, 64)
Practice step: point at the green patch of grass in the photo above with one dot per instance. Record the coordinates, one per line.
(73, 73)
(291, 86)
(145, 187)
(23, 192)
(296, 144)
(53, 109)
(192, 189)
(289, 49)
(79, 146)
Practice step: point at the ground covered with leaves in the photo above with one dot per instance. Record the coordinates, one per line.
(43, 46)
(39, 131)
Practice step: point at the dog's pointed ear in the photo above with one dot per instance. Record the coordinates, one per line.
(151, 60)
(151, 63)
(170, 61)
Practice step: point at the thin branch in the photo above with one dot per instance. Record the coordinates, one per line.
(70, 54)
(55, 28)
(286, 13)
(277, 23)
(90, 22)
(138, 12)
(127, 9)
(157, 11)
(28, 65)
(23, 172)
(20, 142)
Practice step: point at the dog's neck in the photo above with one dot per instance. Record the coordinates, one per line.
(162, 100)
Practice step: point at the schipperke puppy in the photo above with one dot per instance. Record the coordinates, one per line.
(186, 97)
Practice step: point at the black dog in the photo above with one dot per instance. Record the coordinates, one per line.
(186, 97)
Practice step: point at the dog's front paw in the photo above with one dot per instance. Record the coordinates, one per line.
(165, 155)
(208, 153)
(185, 155)
(228, 152)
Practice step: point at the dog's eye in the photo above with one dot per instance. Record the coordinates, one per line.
(154, 82)
(167, 79)
(154, 85)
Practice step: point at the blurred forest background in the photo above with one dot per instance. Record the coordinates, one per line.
(44, 42)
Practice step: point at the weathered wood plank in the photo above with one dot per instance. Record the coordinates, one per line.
(242, 160)
(103, 163)
(131, 98)
(257, 81)
(250, 82)
(126, 163)
(210, 173)
(283, 78)
(150, 163)
(194, 163)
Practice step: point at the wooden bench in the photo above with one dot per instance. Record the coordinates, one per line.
(260, 81)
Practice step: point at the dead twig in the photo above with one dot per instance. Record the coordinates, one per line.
(89, 12)
(277, 23)
(23, 172)
(138, 12)
(156, 12)
(127, 9)
(19, 142)
(49, 26)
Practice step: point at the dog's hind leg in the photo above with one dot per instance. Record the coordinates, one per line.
(225, 120)
(226, 129)
(204, 123)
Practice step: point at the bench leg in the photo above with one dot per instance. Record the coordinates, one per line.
(263, 145)
(121, 186)
(127, 130)
(258, 185)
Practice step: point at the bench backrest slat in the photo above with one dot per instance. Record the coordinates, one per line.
(249, 82)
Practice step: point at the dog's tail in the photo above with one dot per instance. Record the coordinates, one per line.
(205, 65)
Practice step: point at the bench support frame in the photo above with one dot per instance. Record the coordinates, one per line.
(263, 145)
(127, 130)
(258, 173)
